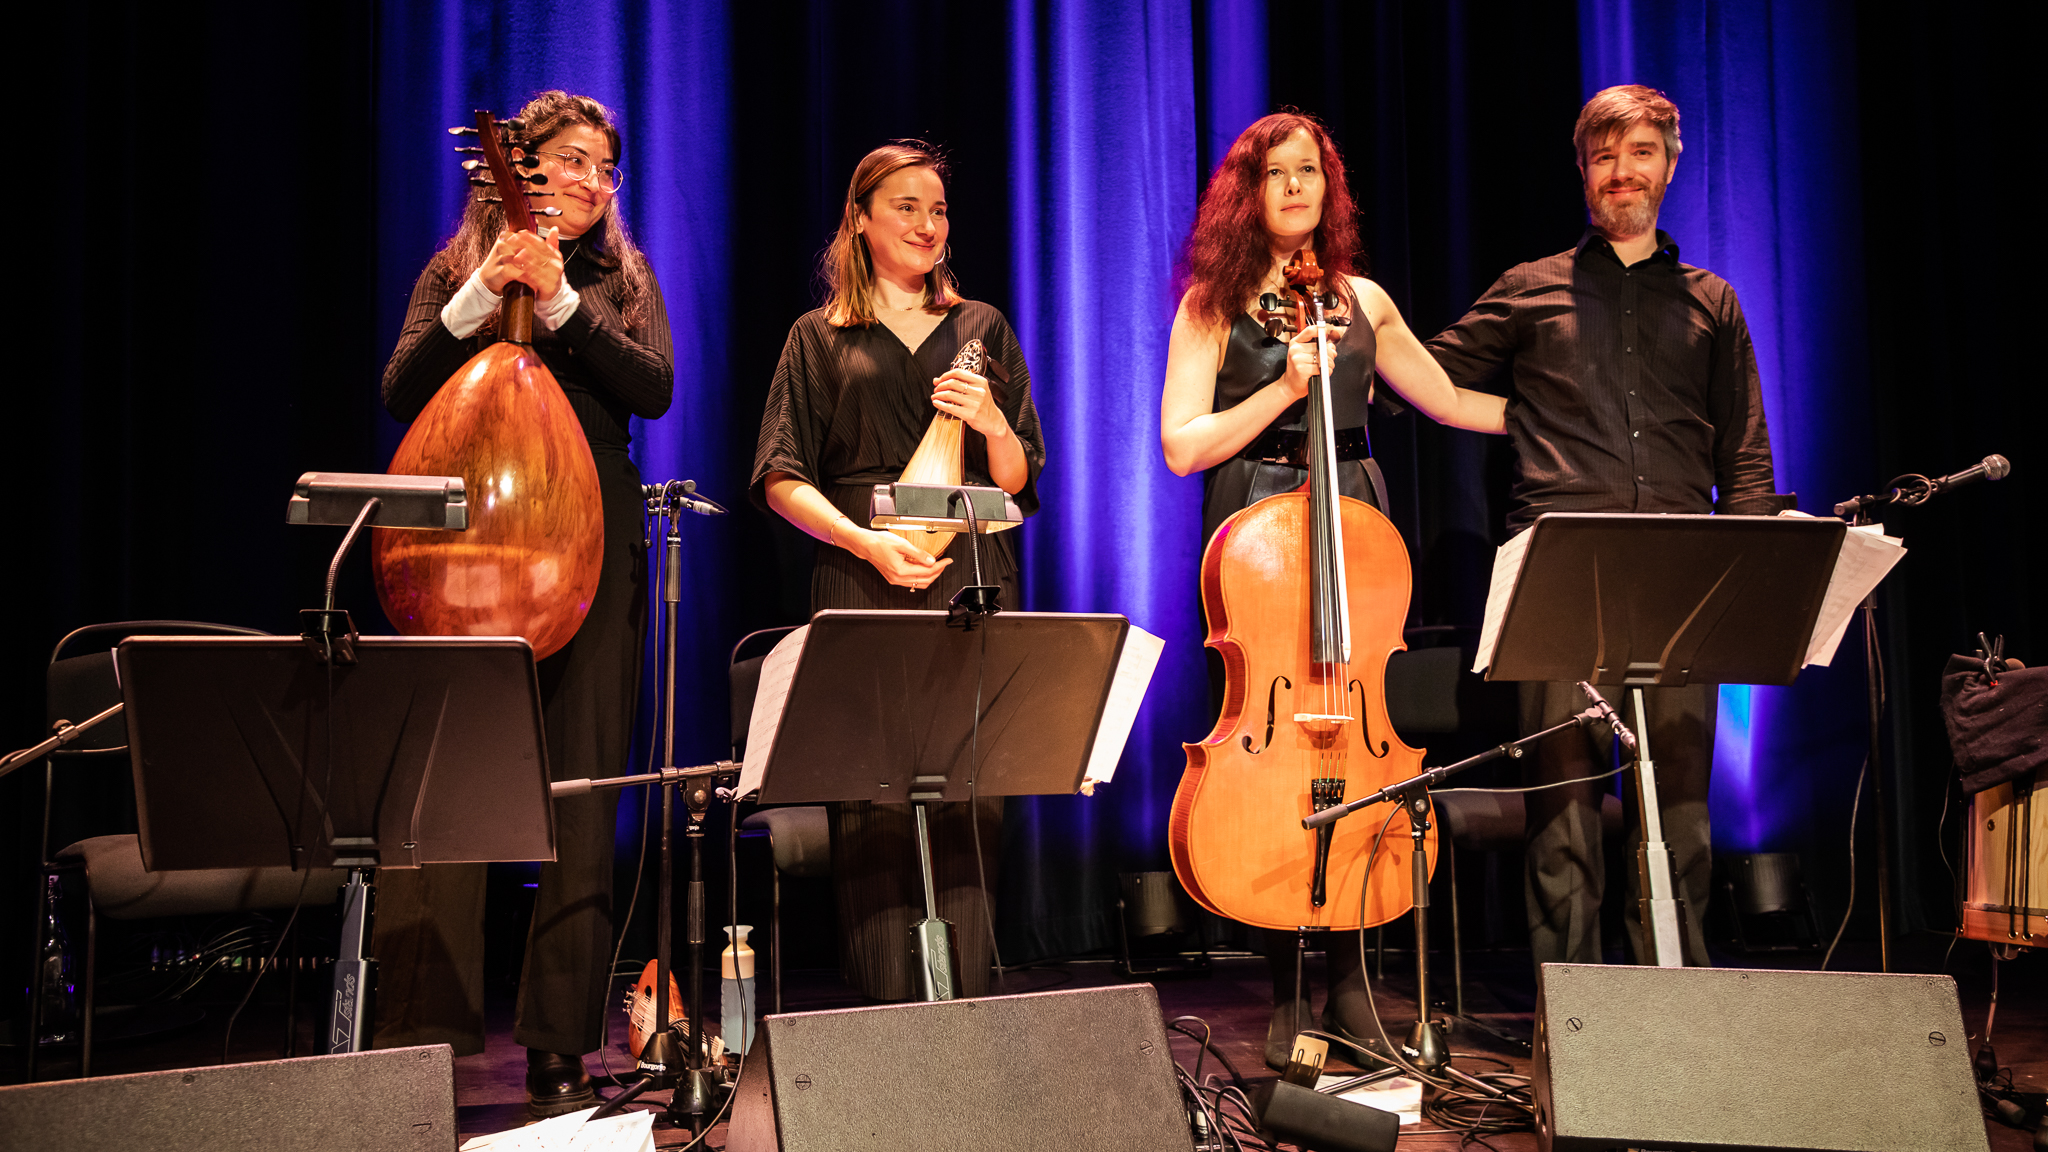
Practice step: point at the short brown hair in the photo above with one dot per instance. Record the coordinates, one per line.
(1620, 108)
(847, 268)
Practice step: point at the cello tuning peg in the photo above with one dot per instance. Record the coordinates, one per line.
(462, 130)
(1269, 301)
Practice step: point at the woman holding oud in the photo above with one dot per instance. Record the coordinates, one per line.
(1234, 405)
(601, 329)
(859, 383)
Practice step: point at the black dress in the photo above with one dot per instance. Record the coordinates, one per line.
(430, 921)
(845, 412)
(1272, 463)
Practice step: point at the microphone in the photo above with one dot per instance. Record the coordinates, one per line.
(1992, 468)
(1605, 711)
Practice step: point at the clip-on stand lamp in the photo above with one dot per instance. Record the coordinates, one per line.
(977, 511)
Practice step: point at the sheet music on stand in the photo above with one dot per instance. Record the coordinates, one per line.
(1865, 557)
(1071, 683)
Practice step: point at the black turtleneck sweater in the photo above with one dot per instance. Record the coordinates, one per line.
(610, 371)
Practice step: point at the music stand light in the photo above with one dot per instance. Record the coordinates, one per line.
(403, 501)
(356, 499)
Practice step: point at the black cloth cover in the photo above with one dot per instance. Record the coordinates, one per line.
(1999, 732)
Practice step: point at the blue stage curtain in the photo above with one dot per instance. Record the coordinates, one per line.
(666, 69)
(1102, 136)
(1768, 195)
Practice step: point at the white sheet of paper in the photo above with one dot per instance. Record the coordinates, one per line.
(1867, 556)
(1401, 1096)
(769, 699)
(1507, 564)
(575, 1132)
(1134, 668)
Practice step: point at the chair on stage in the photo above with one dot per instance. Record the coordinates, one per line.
(799, 835)
(1422, 698)
(81, 683)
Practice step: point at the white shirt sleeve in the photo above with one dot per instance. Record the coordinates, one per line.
(556, 312)
(471, 305)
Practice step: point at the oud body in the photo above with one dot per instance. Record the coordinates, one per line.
(529, 563)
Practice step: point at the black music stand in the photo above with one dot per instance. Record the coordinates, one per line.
(883, 706)
(1648, 600)
(253, 752)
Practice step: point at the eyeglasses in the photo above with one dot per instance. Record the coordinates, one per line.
(606, 177)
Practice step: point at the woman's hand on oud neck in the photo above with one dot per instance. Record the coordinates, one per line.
(526, 258)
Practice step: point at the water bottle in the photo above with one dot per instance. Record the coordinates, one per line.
(736, 989)
(60, 995)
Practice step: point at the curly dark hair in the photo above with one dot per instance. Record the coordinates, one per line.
(1226, 255)
(544, 117)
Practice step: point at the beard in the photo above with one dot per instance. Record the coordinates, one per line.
(1626, 219)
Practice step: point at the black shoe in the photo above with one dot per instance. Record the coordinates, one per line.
(1352, 1047)
(1282, 1030)
(556, 1084)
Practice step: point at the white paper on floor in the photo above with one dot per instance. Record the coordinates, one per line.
(1401, 1096)
(575, 1132)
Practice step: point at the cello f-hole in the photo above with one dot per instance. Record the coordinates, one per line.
(1272, 695)
(1365, 725)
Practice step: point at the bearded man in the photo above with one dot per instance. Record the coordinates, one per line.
(1632, 388)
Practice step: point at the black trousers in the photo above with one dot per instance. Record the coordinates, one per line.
(429, 939)
(1566, 866)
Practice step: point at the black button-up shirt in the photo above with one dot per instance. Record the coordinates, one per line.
(1632, 389)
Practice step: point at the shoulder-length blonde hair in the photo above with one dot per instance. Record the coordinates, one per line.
(847, 267)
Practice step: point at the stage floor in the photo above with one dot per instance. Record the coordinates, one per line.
(1233, 997)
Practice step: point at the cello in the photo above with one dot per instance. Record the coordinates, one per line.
(1305, 594)
(529, 563)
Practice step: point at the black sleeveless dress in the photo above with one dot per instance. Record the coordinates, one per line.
(1273, 462)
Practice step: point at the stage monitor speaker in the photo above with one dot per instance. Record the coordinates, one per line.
(1733, 1059)
(398, 1099)
(1077, 1070)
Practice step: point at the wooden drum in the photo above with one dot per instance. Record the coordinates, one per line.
(2005, 896)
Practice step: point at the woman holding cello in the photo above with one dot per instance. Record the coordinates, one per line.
(603, 332)
(1235, 407)
(861, 379)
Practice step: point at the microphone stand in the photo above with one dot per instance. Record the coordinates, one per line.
(1427, 1051)
(697, 1088)
(1909, 490)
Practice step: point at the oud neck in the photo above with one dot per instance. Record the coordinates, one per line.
(515, 315)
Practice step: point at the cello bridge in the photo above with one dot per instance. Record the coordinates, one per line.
(1321, 724)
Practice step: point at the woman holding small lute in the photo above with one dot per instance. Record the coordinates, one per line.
(861, 384)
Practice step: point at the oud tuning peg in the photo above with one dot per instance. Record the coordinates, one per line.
(488, 200)
(512, 125)
(471, 165)
(528, 162)
(535, 178)
(547, 211)
(469, 151)
(532, 195)
(462, 130)
(482, 182)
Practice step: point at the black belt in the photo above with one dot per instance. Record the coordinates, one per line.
(1289, 446)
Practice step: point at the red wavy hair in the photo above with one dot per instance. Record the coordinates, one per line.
(1227, 254)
